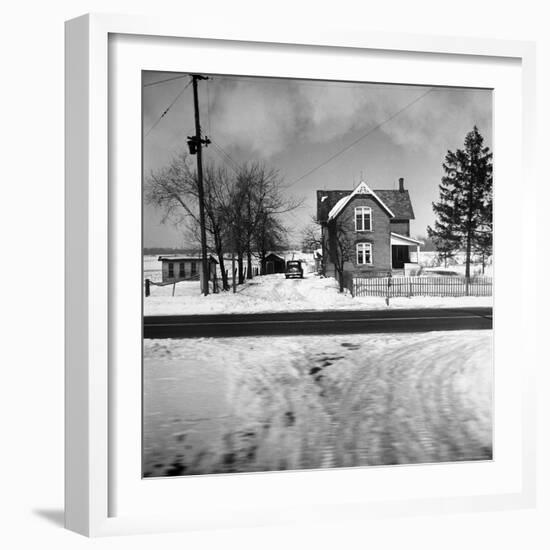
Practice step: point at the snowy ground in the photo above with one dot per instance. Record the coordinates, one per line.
(458, 264)
(274, 403)
(275, 293)
(458, 270)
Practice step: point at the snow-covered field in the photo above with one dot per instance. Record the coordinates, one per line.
(275, 293)
(275, 403)
(457, 270)
(457, 264)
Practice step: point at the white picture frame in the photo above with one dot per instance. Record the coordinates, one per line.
(101, 402)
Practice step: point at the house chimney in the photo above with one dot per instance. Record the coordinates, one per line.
(401, 185)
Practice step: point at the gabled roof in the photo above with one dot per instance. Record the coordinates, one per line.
(361, 189)
(398, 202)
(272, 254)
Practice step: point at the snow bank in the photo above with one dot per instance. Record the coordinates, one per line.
(274, 293)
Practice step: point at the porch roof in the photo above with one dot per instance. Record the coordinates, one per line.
(404, 241)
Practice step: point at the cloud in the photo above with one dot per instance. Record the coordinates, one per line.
(295, 125)
(259, 118)
(267, 117)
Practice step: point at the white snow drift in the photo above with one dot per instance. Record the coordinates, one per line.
(271, 293)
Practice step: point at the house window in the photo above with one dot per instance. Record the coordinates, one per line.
(363, 218)
(182, 269)
(170, 270)
(193, 268)
(364, 253)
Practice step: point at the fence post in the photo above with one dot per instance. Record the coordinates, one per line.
(147, 287)
(215, 284)
(349, 282)
(389, 289)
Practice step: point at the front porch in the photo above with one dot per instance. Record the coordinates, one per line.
(400, 250)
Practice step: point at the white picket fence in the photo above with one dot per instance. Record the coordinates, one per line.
(421, 286)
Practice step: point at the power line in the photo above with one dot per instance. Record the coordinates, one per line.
(286, 81)
(168, 108)
(235, 166)
(233, 161)
(226, 157)
(165, 80)
(360, 138)
(225, 153)
(225, 160)
(311, 83)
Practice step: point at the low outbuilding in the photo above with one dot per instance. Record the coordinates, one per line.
(273, 263)
(185, 267)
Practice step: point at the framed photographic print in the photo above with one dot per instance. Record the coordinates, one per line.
(290, 288)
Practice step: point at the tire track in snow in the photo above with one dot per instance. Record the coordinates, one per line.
(375, 399)
(408, 412)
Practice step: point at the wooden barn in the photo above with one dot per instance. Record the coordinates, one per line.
(273, 264)
(188, 267)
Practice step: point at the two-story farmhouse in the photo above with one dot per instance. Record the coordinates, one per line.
(366, 230)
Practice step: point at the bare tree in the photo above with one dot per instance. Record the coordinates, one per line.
(311, 237)
(241, 207)
(270, 235)
(174, 189)
(258, 202)
(339, 247)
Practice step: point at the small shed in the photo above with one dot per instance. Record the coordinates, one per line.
(188, 267)
(273, 263)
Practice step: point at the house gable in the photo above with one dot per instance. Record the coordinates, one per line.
(398, 201)
(361, 190)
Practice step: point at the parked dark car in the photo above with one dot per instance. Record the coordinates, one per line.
(294, 269)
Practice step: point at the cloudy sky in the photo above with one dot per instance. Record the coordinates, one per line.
(295, 126)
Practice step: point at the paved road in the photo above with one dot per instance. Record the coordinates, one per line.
(317, 322)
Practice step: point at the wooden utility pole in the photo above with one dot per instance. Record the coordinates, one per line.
(234, 282)
(195, 146)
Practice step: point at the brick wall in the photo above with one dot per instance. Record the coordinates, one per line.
(379, 237)
(400, 226)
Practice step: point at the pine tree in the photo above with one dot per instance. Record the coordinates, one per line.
(444, 241)
(483, 247)
(464, 211)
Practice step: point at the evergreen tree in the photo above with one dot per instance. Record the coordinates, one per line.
(444, 241)
(483, 246)
(483, 234)
(464, 211)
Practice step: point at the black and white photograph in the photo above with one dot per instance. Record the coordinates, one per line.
(317, 274)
